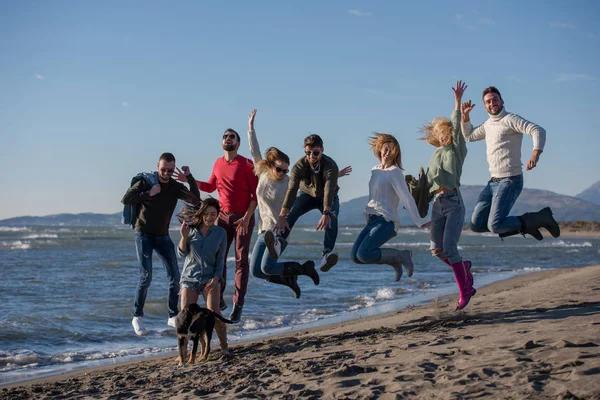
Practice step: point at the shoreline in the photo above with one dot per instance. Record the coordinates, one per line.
(332, 354)
(396, 305)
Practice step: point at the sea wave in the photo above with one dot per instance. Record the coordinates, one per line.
(14, 229)
(41, 236)
(14, 245)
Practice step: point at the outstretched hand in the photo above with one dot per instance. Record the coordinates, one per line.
(465, 109)
(180, 176)
(251, 120)
(345, 171)
(459, 90)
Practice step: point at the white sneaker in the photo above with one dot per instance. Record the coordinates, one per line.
(328, 261)
(171, 321)
(138, 326)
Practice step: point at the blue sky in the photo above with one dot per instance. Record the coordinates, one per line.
(94, 92)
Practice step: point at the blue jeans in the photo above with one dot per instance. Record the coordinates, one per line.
(305, 203)
(447, 219)
(144, 244)
(262, 265)
(366, 248)
(493, 205)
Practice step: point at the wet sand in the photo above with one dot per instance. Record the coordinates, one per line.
(535, 336)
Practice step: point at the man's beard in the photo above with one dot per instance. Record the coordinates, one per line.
(500, 108)
(229, 147)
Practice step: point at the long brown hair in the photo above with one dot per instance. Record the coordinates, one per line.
(378, 140)
(438, 132)
(193, 213)
(271, 155)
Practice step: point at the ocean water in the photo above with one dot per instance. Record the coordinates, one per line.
(66, 293)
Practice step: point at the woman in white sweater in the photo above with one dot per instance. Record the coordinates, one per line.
(387, 189)
(272, 186)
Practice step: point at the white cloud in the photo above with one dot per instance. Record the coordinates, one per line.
(562, 77)
(563, 25)
(359, 13)
(124, 104)
(486, 21)
(40, 77)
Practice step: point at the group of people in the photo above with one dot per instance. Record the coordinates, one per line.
(209, 227)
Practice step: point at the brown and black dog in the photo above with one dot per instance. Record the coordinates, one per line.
(195, 323)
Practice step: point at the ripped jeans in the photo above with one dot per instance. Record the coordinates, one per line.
(145, 244)
(447, 219)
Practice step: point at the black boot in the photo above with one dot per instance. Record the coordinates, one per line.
(289, 281)
(291, 268)
(511, 233)
(531, 222)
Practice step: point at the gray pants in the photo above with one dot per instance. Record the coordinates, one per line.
(447, 219)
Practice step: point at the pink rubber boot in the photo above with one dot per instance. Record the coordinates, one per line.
(467, 266)
(465, 289)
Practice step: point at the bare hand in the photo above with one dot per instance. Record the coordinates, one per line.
(155, 190)
(212, 284)
(324, 222)
(282, 225)
(251, 120)
(179, 175)
(345, 171)
(465, 109)
(242, 225)
(531, 164)
(184, 230)
(186, 170)
(459, 90)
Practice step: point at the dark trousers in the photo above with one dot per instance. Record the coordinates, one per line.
(242, 248)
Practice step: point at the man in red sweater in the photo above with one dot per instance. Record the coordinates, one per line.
(233, 178)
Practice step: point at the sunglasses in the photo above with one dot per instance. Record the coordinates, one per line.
(229, 136)
(168, 170)
(314, 153)
(280, 170)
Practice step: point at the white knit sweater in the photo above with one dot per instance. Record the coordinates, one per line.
(387, 188)
(270, 193)
(503, 134)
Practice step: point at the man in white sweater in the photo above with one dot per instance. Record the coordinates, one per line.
(503, 133)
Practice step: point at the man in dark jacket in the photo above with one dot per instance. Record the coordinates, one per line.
(156, 205)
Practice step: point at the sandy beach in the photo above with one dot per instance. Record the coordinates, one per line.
(535, 336)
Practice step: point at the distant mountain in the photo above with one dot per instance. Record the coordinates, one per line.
(84, 219)
(591, 194)
(565, 208)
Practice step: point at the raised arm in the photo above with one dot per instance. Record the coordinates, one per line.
(192, 195)
(470, 134)
(406, 199)
(458, 139)
(252, 140)
(537, 133)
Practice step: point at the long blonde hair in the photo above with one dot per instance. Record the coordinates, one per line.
(439, 128)
(378, 140)
(266, 164)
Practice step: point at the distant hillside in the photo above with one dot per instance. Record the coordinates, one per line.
(565, 208)
(84, 219)
(591, 194)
